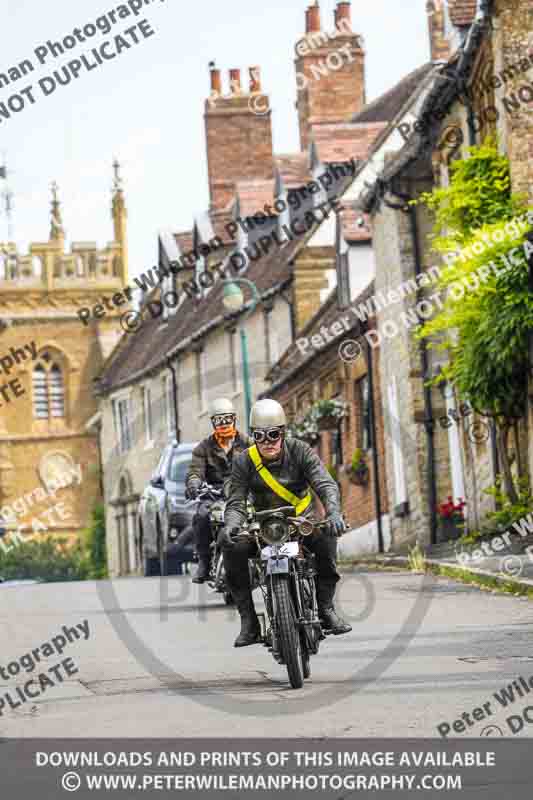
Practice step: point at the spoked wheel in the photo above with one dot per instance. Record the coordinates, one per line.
(288, 633)
(308, 636)
(306, 659)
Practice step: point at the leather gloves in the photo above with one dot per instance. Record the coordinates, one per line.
(335, 524)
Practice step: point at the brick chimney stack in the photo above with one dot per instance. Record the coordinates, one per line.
(238, 140)
(439, 45)
(343, 12)
(312, 19)
(330, 72)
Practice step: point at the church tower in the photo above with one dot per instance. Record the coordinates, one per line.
(48, 360)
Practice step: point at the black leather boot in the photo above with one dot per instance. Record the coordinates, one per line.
(202, 573)
(329, 618)
(250, 627)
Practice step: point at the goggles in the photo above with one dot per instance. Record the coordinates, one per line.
(269, 435)
(223, 419)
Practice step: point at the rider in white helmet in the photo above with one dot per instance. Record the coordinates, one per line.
(211, 463)
(295, 466)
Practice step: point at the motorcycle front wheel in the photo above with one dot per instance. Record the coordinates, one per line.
(287, 632)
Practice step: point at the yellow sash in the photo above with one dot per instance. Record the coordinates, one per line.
(300, 504)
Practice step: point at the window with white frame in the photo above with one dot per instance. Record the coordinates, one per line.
(121, 415)
(147, 414)
(201, 379)
(169, 405)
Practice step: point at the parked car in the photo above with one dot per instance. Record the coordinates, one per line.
(164, 512)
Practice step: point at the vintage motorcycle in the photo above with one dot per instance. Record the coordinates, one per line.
(217, 574)
(285, 572)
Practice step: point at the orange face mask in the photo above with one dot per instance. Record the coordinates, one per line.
(224, 432)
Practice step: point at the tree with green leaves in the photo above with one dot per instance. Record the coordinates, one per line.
(480, 229)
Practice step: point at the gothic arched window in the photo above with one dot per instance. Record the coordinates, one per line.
(48, 388)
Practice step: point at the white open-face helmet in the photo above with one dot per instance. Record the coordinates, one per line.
(221, 406)
(267, 414)
(222, 412)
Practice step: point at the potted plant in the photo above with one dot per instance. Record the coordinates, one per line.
(358, 472)
(328, 413)
(306, 430)
(452, 519)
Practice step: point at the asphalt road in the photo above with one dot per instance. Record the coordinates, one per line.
(160, 662)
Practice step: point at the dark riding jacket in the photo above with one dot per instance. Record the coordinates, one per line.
(298, 470)
(210, 462)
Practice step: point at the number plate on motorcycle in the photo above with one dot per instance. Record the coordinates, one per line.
(289, 549)
(277, 566)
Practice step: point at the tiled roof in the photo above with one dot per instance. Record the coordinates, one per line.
(462, 12)
(387, 106)
(337, 142)
(294, 169)
(146, 349)
(254, 195)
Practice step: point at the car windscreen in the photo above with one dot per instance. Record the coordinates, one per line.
(178, 467)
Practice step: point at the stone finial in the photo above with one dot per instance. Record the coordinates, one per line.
(57, 231)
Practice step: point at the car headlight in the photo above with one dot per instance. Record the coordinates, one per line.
(275, 531)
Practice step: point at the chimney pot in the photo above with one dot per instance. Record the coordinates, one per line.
(235, 81)
(255, 79)
(312, 19)
(343, 12)
(216, 82)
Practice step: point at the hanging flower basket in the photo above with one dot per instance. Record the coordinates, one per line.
(359, 477)
(328, 413)
(328, 422)
(306, 431)
(358, 471)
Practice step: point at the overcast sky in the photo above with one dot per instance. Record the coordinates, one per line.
(146, 106)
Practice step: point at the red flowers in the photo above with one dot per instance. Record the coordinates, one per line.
(451, 510)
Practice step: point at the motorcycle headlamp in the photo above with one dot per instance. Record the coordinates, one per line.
(275, 531)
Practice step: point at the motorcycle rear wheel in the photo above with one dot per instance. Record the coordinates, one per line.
(288, 634)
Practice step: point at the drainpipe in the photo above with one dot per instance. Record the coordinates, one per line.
(429, 421)
(175, 399)
(375, 460)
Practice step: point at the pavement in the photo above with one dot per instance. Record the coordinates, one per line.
(513, 562)
(159, 661)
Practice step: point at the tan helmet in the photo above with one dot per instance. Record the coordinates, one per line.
(221, 406)
(267, 414)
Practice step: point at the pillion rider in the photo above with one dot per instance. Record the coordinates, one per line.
(211, 462)
(280, 472)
